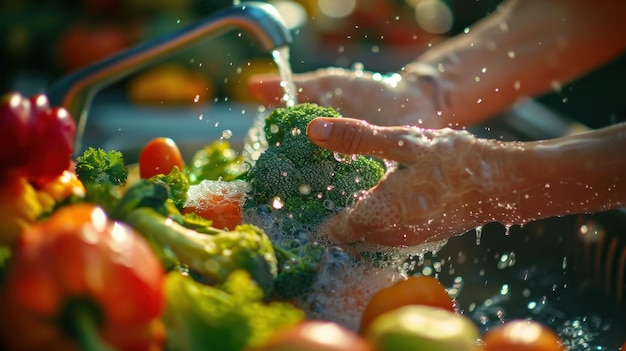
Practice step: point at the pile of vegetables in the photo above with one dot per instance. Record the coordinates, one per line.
(94, 257)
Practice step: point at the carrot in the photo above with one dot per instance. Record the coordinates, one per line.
(218, 201)
(222, 211)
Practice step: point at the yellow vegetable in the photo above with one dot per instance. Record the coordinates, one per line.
(21, 204)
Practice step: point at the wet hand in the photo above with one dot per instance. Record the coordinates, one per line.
(439, 186)
(414, 97)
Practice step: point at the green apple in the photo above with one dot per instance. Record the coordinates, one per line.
(420, 327)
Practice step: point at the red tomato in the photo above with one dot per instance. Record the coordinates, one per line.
(313, 335)
(522, 335)
(415, 290)
(159, 156)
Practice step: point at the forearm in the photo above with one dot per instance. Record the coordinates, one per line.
(524, 49)
(576, 174)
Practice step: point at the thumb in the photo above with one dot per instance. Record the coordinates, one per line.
(354, 136)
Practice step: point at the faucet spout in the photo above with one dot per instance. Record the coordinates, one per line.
(76, 90)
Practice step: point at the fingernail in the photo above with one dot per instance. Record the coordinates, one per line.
(320, 130)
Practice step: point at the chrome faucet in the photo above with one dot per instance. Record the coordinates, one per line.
(76, 90)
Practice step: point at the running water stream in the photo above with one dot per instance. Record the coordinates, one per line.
(281, 58)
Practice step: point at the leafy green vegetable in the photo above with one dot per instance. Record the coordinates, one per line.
(229, 317)
(101, 167)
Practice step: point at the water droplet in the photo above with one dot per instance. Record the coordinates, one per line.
(506, 260)
(339, 157)
(277, 202)
(479, 233)
(227, 134)
(591, 232)
(329, 204)
(504, 290)
(304, 189)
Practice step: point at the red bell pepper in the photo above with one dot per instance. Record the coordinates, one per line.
(78, 280)
(36, 140)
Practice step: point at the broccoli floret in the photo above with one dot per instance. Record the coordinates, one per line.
(297, 268)
(228, 317)
(101, 167)
(177, 183)
(301, 174)
(283, 122)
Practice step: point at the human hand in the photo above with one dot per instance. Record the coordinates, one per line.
(416, 96)
(446, 182)
(442, 185)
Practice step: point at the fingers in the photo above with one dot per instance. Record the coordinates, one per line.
(353, 136)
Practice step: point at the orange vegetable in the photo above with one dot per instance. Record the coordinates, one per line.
(159, 156)
(415, 290)
(522, 335)
(218, 201)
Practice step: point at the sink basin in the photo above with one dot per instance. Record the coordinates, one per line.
(568, 272)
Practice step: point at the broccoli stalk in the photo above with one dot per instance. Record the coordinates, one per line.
(212, 255)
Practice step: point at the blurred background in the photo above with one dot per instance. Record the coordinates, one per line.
(41, 40)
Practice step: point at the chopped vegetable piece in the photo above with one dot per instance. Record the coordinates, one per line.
(218, 201)
(415, 290)
(421, 327)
